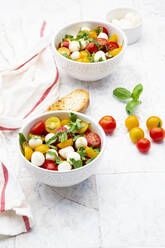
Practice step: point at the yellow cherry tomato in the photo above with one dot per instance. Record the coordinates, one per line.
(28, 152)
(84, 126)
(92, 34)
(83, 54)
(115, 51)
(131, 122)
(153, 121)
(113, 38)
(65, 143)
(86, 60)
(42, 148)
(52, 123)
(90, 152)
(136, 133)
(64, 122)
(79, 60)
(64, 50)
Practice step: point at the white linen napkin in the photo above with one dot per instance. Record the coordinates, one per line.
(28, 84)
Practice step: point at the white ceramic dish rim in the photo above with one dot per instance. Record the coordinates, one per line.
(129, 9)
(92, 21)
(60, 111)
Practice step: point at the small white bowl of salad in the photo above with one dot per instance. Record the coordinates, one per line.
(61, 148)
(89, 50)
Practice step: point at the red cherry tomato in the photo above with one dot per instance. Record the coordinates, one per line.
(39, 128)
(65, 44)
(102, 43)
(108, 123)
(49, 165)
(157, 134)
(104, 29)
(112, 45)
(91, 47)
(60, 129)
(143, 145)
(93, 139)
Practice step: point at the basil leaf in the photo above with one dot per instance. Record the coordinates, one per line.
(97, 150)
(122, 93)
(68, 36)
(57, 159)
(51, 146)
(65, 55)
(51, 140)
(73, 117)
(137, 91)
(76, 163)
(89, 160)
(82, 153)
(100, 59)
(131, 106)
(22, 140)
(77, 136)
(108, 55)
(62, 136)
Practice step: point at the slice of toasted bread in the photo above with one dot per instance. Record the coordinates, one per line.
(77, 100)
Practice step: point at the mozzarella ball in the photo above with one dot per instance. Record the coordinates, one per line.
(102, 35)
(74, 46)
(85, 29)
(34, 142)
(99, 55)
(75, 55)
(73, 155)
(64, 166)
(83, 43)
(48, 136)
(65, 151)
(81, 142)
(51, 156)
(37, 158)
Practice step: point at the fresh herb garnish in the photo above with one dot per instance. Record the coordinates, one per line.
(65, 55)
(98, 30)
(89, 160)
(68, 36)
(32, 136)
(22, 140)
(62, 136)
(57, 159)
(108, 55)
(82, 34)
(51, 140)
(100, 59)
(74, 126)
(124, 94)
(76, 163)
(82, 153)
(73, 117)
(97, 150)
(51, 146)
(77, 136)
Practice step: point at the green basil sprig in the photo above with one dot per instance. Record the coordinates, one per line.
(124, 94)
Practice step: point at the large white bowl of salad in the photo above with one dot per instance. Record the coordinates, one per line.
(61, 148)
(89, 50)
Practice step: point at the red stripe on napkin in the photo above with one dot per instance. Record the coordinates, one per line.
(42, 29)
(7, 129)
(5, 173)
(27, 224)
(20, 66)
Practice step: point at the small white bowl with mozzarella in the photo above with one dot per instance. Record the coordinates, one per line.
(67, 177)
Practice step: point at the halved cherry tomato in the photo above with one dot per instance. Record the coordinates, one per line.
(112, 45)
(64, 122)
(84, 126)
(91, 47)
(90, 152)
(65, 143)
(113, 38)
(93, 139)
(102, 42)
(157, 134)
(52, 123)
(28, 152)
(49, 165)
(65, 44)
(92, 34)
(143, 145)
(64, 50)
(42, 148)
(60, 129)
(104, 29)
(108, 124)
(38, 128)
(115, 51)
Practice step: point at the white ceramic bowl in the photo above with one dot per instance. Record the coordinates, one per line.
(88, 71)
(133, 34)
(57, 178)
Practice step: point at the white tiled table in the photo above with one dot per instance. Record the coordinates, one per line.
(124, 204)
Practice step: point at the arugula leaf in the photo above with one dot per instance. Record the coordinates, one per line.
(22, 140)
(131, 106)
(137, 91)
(76, 163)
(122, 93)
(89, 160)
(51, 140)
(73, 117)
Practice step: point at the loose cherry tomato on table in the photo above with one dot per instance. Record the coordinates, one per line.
(104, 29)
(143, 145)
(49, 165)
(112, 45)
(157, 134)
(136, 133)
(108, 123)
(153, 121)
(64, 44)
(39, 128)
(131, 122)
(91, 47)
(93, 139)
